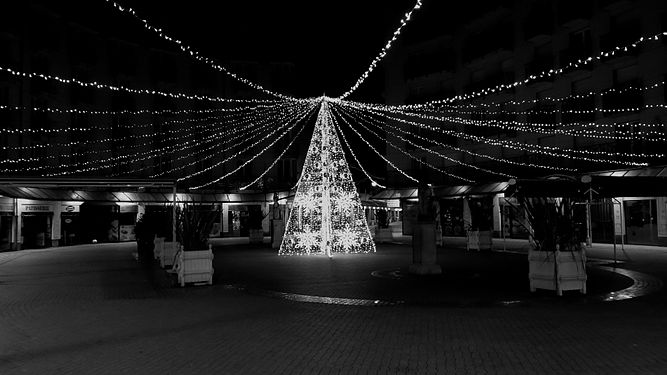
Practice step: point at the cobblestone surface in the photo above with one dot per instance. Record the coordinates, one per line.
(92, 310)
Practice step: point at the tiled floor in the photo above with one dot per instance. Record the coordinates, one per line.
(93, 310)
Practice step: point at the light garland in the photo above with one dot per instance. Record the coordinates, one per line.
(275, 161)
(242, 128)
(384, 158)
(492, 103)
(198, 125)
(552, 111)
(377, 124)
(133, 126)
(545, 150)
(116, 88)
(326, 216)
(354, 156)
(545, 73)
(142, 155)
(546, 128)
(80, 111)
(383, 51)
(194, 53)
(259, 132)
(258, 128)
(425, 162)
(244, 163)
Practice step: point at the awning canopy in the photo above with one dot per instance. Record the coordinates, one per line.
(396, 194)
(445, 191)
(638, 182)
(117, 190)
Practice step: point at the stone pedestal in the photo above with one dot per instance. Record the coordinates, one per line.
(277, 232)
(424, 250)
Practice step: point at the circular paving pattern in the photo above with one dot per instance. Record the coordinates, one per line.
(642, 284)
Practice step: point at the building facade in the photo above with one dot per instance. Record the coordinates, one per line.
(513, 40)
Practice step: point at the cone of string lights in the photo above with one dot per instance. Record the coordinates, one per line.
(327, 216)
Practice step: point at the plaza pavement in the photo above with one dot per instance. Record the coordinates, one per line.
(91, 309)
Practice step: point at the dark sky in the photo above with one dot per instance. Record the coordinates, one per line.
(331, 43)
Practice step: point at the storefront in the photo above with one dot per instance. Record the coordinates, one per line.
(239, 219)
(645, 220)
(36, 224)
(70, 225)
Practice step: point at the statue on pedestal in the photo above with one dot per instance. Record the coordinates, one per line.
(277, 215)
(425, 205)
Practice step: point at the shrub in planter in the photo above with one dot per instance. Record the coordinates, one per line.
(195, 260)
(194, 224)
(557, 261)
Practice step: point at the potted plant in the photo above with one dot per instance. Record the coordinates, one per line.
(557, 260)
(195, 259)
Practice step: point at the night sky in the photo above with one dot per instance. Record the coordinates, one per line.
(331, 43)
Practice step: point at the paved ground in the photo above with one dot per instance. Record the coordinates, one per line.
(92, 310)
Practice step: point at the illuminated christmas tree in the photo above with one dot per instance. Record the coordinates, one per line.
(327, 216)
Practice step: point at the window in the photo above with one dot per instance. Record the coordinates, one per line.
(623, 30)
(580, 45)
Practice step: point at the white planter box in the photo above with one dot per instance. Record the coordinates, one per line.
(195, 266)
(169, 251)
(158, 245)
(557, 270)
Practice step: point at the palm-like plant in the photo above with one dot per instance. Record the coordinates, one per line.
(553, 222)
(194, 224)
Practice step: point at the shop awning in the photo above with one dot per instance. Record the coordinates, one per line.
(638, 182)
(396, 194)
(111, 190)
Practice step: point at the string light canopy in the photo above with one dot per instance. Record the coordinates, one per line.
(327, 216)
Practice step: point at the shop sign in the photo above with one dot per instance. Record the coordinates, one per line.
(132, 208)
(393, 203)
(6, 208)
(70, 208)
(37, 208)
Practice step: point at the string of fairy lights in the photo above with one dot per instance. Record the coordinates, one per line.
(197, 146)
(391, 129)
(414, 157)
(181, 144)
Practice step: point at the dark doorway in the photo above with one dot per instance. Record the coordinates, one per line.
(36, 230)
(641, 221)
(5, 231)
(99, 222)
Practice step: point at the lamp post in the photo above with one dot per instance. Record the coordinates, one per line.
(586, 179)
